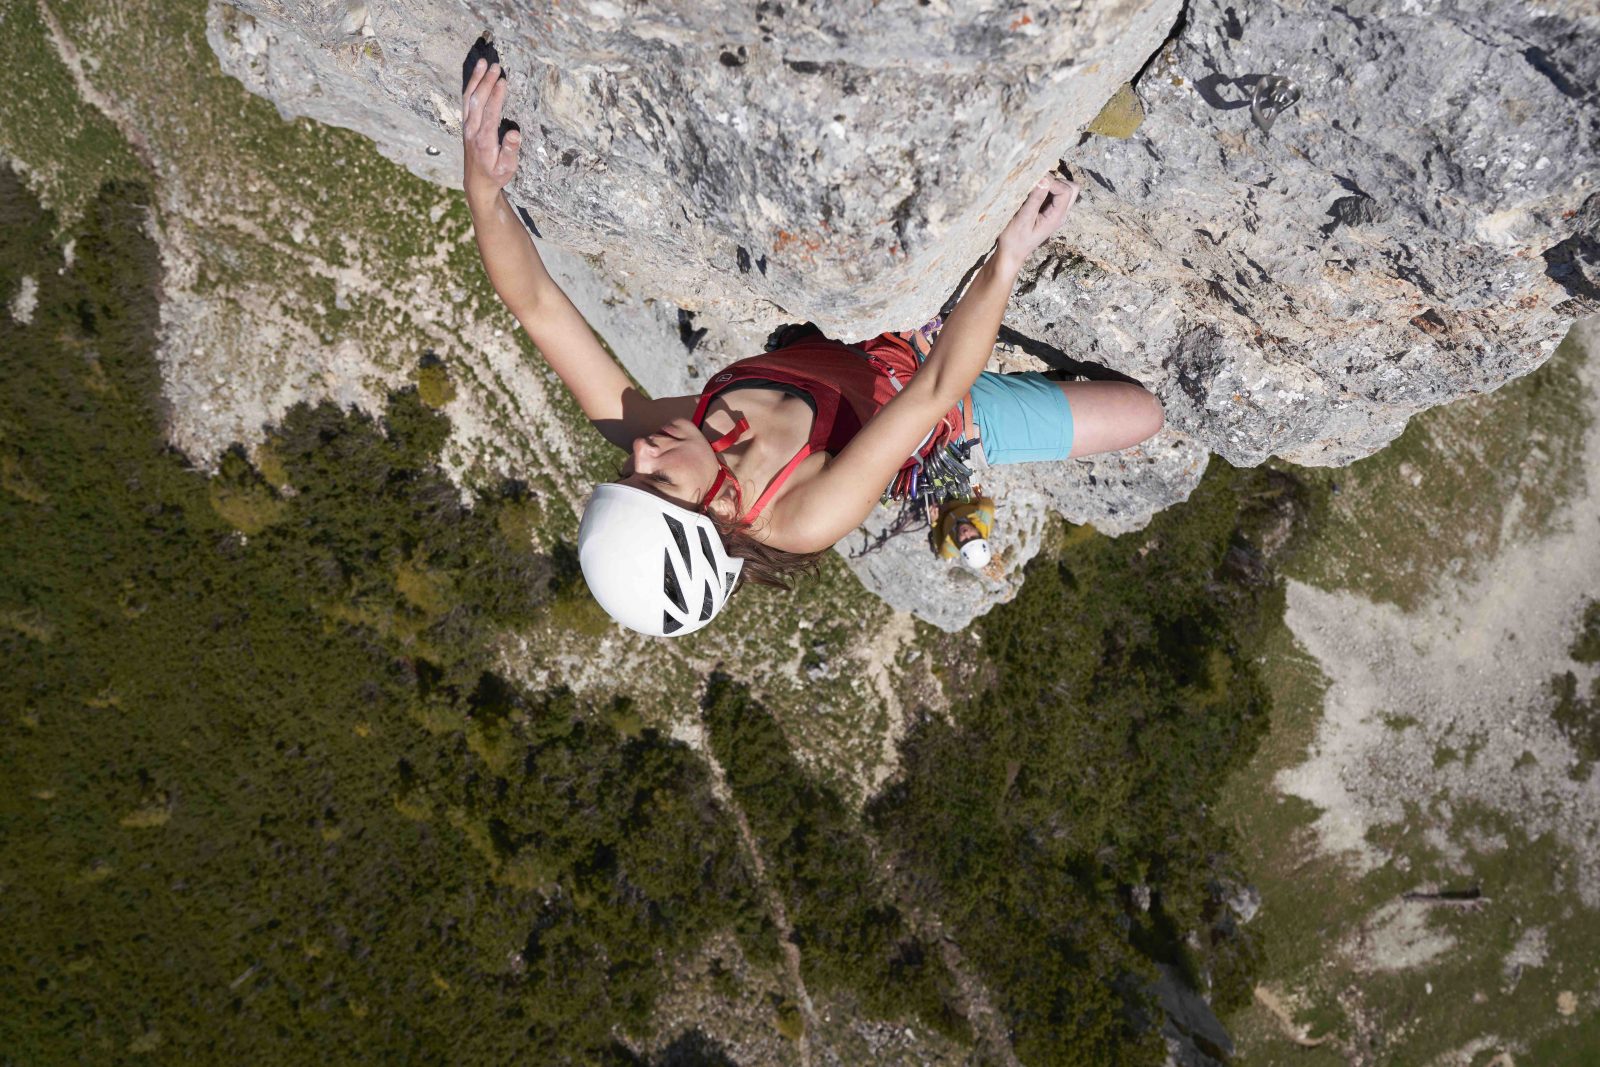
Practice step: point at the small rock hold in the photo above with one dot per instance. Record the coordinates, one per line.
(1122, 115)
(1358, 210)
(687, 333)
(1430, 321)
(353, 18)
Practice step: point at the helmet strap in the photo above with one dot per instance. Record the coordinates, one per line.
(723, 475)
(722, 444)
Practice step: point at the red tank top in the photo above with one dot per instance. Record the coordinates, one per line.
(848, 383)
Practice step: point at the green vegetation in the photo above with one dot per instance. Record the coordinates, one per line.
(267, 796)
(1462, 480)
(1037, 817)
(1579, 717)
(1586, 646)
(434, 386)
(851, 934)
(72, 147)
(1073, 785)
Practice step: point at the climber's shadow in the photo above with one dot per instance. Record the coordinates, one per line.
(1213, 86)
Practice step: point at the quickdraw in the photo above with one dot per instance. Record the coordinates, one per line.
(944, 476)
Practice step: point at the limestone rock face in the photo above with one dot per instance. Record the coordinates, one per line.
(839, 162)
(1396, 240)
(1421, 225)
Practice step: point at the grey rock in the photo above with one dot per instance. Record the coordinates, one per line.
(1356, 211)
(1454, 144)
(1245, 902)
(866, 153)
(1194, 1035)
(1575, 262)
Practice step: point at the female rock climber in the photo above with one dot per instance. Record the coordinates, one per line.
(783, 454)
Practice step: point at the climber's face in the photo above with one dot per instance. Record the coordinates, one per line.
(965, 532)
(675, 463)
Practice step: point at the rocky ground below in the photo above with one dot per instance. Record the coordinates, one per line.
(1422, 825)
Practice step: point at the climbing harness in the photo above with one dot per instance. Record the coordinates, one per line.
(944, 475)
(942, 478)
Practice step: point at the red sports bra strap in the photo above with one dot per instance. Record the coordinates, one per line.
(729, 439)
(777, 483)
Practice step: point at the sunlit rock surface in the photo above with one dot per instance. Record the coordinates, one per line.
(843, 162)
(1418, 227)
(1388, 247)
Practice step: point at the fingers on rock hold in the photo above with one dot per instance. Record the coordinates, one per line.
(482, 49)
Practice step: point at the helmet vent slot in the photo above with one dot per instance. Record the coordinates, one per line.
(682, 539)
(705, 605)
(668, 623)
(669, 582)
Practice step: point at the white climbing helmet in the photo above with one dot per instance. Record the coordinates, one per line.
(976, 554)
(654, 566)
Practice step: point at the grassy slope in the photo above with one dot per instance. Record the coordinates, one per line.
(1458, 484)
(1460, 481)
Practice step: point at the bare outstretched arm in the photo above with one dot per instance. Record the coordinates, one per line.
(817, 514)
(602, 388)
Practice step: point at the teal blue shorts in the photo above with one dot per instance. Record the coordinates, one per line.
(1022, 418)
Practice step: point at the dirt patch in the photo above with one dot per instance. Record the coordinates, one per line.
(1447, 705)
(1397, 937)
(25, 301)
